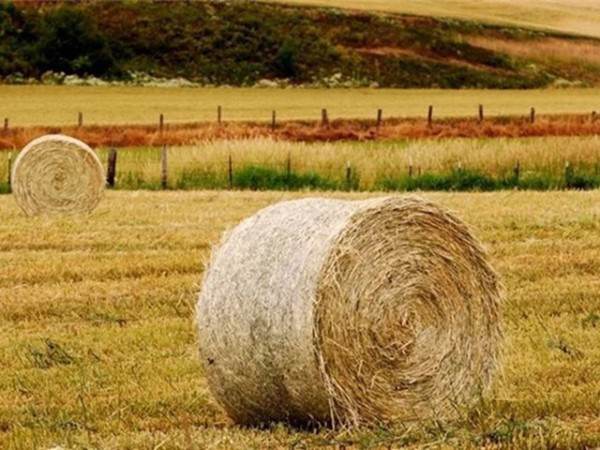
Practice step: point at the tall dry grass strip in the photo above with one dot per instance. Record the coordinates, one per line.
(307, 131)
(349, 312)
(57, 174)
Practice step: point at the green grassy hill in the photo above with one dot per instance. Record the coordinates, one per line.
(242, 43)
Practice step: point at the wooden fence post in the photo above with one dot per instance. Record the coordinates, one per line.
(163, 168)
(10, 172)
(430, 115)
(481, 113)
(161, 123)
(6, 124)
(348, 176)
(111, 170)
(230, 171)
(273, 119)
(379, 117)
(532, 115)
(517, 172)
(324, 117)
(410, 171)
(219, 114)
(594, 114)
(79, 119)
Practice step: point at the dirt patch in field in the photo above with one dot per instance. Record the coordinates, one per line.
(430, 57)
(389, 51)
(311, 131)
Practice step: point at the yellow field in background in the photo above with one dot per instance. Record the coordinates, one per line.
(578, 16)
(98, 343)
(60, 105)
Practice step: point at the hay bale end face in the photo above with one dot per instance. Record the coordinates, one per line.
(57, 174)
(349, 312)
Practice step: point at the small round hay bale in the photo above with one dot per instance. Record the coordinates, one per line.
(349, 312)
(57, 174)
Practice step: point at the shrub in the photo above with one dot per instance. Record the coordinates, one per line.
(68, 41)
(265, 178)
(200, 179)
(457, 180)
(574, 180)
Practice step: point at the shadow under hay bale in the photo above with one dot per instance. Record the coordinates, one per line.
(349, 312)
(57, 174)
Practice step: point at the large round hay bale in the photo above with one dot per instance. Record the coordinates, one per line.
(57, 174)
(351, 312)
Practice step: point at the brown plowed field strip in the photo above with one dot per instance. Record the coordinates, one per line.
(311, 131)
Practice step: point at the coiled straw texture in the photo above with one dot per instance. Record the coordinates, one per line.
(348, 313)
(57, 174)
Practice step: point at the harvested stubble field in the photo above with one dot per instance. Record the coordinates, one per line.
(98, 343)
(37, 105)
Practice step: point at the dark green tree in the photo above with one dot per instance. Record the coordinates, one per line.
(69, 42)
(285, 61)
(13, 34)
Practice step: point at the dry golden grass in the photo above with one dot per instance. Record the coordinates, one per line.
(548, 49)
(206, 163)
(98, 344)
(573, 60)
(311, 131)
(576, 17)
(60, 105)
(371, 160)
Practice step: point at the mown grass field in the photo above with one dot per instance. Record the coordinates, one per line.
(98, 343)
(577, 17)
(60, 105)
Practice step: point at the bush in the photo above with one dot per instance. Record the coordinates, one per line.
(574, 180)
(285, 61)
(263, 178)
(457, 180)
(537, 182)
(68, 41)
(201, 179)
(14, 34)
(135, 180)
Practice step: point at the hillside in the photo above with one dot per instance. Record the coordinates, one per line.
(246, 43)
(580, 17)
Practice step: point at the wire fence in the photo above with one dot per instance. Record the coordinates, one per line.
(280, 166)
